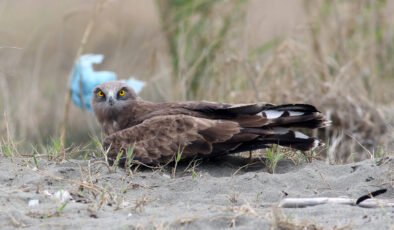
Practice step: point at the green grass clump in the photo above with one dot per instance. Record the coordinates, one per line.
(54, 149)
(178, 157)
(7, 150)
(272, 156)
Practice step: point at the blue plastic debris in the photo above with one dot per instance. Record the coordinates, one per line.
(135, 84)
(81, 91)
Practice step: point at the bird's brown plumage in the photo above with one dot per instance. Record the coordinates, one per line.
(158, 131)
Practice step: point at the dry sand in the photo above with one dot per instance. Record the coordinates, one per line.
(216, 196)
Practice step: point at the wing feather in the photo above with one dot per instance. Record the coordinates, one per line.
(159, 138)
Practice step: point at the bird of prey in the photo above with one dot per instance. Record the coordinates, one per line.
(156, 132)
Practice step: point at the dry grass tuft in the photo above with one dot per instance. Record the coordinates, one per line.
(280, 221)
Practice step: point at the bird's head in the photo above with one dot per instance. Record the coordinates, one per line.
(112, 97)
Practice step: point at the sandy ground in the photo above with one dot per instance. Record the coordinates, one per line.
(217, 195)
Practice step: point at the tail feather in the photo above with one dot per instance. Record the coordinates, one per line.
(284, 137)
(287, 115)
(271, 124)
(310, 121)
(253, 109)
(305, 108)
(263, 125)
(294, 115)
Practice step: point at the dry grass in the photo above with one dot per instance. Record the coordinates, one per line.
(280, 221)
(338, 55)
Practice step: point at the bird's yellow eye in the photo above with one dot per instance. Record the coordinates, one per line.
(100, 94)
(122, 93)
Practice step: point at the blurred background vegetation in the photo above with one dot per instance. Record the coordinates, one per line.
(338, 55)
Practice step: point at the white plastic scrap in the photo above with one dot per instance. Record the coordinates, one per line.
(62, 195)
(47, 193)
(33, 203)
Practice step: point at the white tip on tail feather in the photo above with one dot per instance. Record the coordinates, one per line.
(295, 113)
(272, 114)
(326, 123)
(317, 143)
(300, 135)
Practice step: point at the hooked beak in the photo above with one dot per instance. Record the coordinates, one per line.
(111, 100)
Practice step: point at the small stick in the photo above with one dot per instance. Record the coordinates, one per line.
(305, 202)
(67, 103)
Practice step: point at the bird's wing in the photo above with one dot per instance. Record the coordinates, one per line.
(246, 115)
(263, 115)
(160, 138)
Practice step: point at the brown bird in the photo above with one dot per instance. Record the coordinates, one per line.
(158, 131)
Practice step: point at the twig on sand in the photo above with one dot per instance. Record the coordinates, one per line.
(15, 222)
(90, 186)
(305, 202)
(363, 201)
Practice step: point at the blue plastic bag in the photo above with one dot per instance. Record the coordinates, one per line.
(81, 91)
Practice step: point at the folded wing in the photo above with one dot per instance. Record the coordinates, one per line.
(159, 139)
